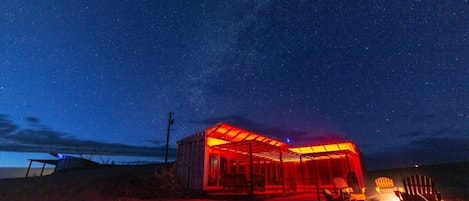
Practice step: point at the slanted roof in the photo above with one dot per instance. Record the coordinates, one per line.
(230, 134)
(50, 162)
(226, 137)
(259, 149)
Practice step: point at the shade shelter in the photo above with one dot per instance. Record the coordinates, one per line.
(224, 157)
(44, 162)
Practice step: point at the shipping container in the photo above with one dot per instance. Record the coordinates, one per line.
(224, 157)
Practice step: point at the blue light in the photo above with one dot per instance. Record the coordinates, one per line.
(288, 140)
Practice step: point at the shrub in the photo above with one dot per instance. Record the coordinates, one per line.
(162, 183)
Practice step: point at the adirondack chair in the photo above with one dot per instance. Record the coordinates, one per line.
(343, 188)
(341, 185)
(386, 189)
(419, 188)
(337, 197)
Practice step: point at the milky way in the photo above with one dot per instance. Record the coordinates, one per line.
(391, 76)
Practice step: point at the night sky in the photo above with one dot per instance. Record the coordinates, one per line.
(101, 76)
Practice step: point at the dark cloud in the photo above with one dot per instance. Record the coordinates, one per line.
(6, 126)
(424, 117)
(428, 116)
(413, 134)
(48, 141)
(33, 120)
(448, 132)
(156, 142)
(432, 141)
(421, 150)
(441, 131)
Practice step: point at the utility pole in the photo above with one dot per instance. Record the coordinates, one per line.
(170, 122)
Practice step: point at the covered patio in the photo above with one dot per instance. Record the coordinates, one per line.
(225, 158)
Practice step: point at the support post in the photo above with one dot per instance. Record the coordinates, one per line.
(43, 166)
(302, 173)
(348, 162)
(251, 176)
(281, 170)
(29, 167)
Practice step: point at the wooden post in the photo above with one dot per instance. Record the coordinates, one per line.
(348, 162)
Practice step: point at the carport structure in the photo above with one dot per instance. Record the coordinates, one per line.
(224, 157)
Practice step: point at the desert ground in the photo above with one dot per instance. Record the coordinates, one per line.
(158, 183)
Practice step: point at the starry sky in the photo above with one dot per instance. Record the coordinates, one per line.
(101, 77)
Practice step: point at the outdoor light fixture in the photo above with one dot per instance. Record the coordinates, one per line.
(60, 156)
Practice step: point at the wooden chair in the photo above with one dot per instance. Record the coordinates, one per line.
(419, 188)
(343, 188)
(384, 183)
(337, 197)
(386, 189)
(341, 185)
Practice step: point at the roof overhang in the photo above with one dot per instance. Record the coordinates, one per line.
(340, 147)
(226, 137)
(227, 133)
(259, 150)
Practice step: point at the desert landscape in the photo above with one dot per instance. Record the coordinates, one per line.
(106, 183)
(157, 182)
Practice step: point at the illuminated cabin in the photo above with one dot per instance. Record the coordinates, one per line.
(227, 158)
